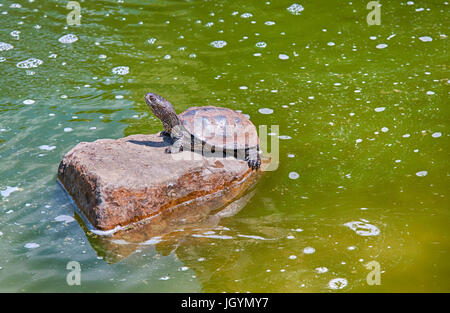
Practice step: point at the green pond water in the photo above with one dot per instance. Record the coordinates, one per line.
(363, 115)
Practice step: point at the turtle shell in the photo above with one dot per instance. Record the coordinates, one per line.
(220, 127)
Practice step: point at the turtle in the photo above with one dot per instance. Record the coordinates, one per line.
(210, 130)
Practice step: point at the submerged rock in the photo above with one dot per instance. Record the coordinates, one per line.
(119, 182)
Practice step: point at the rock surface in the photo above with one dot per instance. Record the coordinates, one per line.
(118, 182)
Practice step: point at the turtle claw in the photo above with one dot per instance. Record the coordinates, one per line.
(254, 164)
(172, 149)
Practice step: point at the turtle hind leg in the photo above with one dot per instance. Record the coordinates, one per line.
(253, 159)
(176, 147)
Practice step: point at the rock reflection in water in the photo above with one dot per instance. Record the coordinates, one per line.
(168, 229)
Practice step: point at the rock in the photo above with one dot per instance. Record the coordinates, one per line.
(119, 182)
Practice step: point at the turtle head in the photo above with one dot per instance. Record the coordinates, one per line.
(163, 110)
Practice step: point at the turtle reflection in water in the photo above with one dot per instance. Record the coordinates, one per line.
(208, 129)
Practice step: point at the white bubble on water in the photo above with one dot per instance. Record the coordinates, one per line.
(436, 135)
(246, 15)
(64, 218)
(321, 269)
(243, 87)
(265, 111)
(391, 36)
(406, 136)
(69, 38)
(164, 278)
(15, 34)
(31, 245)
(68, 129)
(102, 56)
(294, 175)
(295, 8)
(212, 236)
(381, 46)
(363, 228)
(167, 57)
(218, 43)
(151, 41)
(380, 109)
(151, 241)
(29, 63)
(28, 101)
(430, 93)
(337, 283)
(121, 70)
(422, 173)
(309, 250)
(425, 38)
(331, 43)
(119, 97)
(9, 190)
(5, 46)
(285, 137)
(283, 56)
(292, 257)
(269, 23)
(47, 148)
(252, 237)
(261, 44)
(384, 129)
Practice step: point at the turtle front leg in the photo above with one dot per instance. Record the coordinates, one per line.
(164, 133)
(253, 158)
(176, 147)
